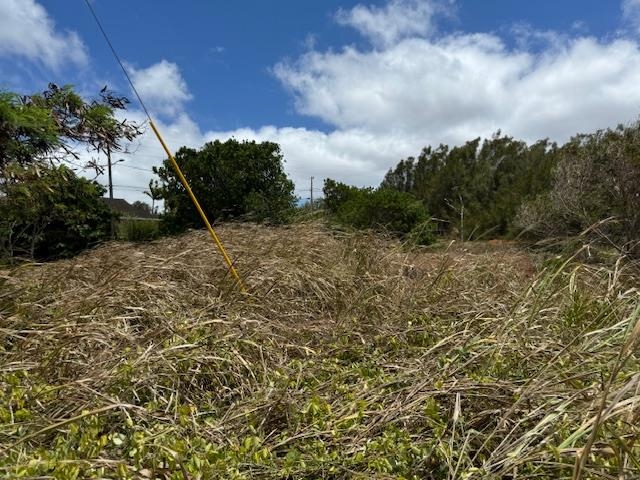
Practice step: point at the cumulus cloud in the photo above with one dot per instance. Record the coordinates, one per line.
(398, 19)
(461, 86)
(631, 13)
(416, 85)
(26, 30)
(162, 87)
(529, 38)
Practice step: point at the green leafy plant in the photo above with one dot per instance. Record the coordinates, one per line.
(49, 212)
(232, 180)
(384, 209)
(138, 230)
(46, 211)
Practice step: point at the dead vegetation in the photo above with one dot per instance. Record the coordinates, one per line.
(353, 357)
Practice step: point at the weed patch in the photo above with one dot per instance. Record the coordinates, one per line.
(353, 357)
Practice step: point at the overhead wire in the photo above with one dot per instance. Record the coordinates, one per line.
(115, 54)
(128, 187)
(137, 168)
(172, 159)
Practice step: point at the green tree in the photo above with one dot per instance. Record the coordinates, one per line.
(401, 178)
(476, 189)
(49, 212)
(596, 183)
(154, 193)
(231, 180)
(27, 132)
(45, 209)
(50, 125)
(522, 173)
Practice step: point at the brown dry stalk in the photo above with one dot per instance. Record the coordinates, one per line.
(355, 353)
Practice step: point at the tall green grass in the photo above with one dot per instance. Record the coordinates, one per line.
(138, 230)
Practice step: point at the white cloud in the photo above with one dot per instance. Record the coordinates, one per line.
(310, 41)
(162, 87)
(414, 86)
(27, 30)
(529, 38)
(631, 13)
(462, 86)
(399, 19)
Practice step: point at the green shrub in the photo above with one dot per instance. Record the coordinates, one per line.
(423, 233)
(336, 194)
(138, 230)
(392, 210)
(47, 213)
(232, 180)
(382, 209)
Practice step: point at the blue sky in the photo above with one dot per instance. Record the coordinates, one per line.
(347, 88)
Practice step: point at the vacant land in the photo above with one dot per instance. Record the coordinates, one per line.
(353, 357)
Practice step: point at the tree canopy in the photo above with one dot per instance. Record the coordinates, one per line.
(232, 180)
(45, 209)
(476, 189)
(50, 125)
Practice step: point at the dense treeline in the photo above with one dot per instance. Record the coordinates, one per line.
(504, 187)
(475, 189)
(488, 188)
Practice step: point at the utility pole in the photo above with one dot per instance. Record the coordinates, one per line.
(113, 222)
(109, 167)
(311, 196)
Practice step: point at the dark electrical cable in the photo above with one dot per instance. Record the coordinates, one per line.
(137, 168)
(115, 54)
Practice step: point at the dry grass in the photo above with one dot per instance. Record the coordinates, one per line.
(353, 357)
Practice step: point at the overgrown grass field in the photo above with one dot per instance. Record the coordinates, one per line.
(353, 357)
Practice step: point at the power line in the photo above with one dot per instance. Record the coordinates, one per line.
(113, 50)
(126, 187)
(137, 168)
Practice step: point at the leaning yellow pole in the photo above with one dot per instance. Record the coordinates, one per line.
(203, 215)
